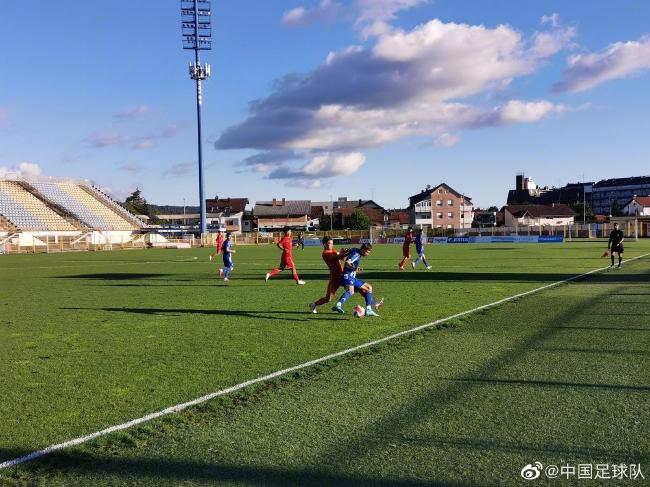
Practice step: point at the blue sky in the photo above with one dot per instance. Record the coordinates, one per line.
(358, 98)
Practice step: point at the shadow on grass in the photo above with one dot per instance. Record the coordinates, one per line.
(550, 383)
(218, 312)
(113, 276)
(599, 328)
(371, 438)
(593, 350)
(75, 466)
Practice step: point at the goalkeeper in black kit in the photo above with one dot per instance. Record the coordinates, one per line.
(615, 244)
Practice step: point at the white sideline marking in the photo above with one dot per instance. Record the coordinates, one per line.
(222, 392)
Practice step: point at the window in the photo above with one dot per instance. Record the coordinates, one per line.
(450, 215)
(439, 203)
(450, 202)
(450, 226)
(438, 226)
(439, 216)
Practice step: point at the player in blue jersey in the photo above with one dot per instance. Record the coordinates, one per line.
(228, 264)
(350, 282)
(419, 241)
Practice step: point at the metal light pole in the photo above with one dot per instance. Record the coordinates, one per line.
(197, 35)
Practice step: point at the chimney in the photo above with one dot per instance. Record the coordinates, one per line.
(519, 182)
(283, 201)
(275, 202)
(359, 201)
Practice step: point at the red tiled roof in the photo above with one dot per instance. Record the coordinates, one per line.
(641, 200)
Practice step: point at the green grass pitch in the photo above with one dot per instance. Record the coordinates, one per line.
(91, 340)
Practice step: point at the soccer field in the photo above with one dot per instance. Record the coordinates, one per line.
(92, 340)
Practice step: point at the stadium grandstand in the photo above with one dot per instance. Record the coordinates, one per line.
(40, 209)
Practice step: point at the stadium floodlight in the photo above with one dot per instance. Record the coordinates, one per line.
(197, 35)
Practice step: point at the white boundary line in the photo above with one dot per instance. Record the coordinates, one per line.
(222, 392)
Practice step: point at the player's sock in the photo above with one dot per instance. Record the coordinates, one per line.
(321, 301)
(274, 272)
(227, 271)
(295, 277)
(369, 299)
(346, 295)
(612, 255)
(620, 260)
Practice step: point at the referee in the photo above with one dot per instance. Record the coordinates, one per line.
(615, 243)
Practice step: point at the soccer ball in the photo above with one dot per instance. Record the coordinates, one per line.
(359, 311)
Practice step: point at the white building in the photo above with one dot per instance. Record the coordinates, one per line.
(637, 206)
(538, 215)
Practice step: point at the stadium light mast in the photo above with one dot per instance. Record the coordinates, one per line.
(197, 35)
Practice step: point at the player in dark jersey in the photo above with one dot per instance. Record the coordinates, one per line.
(615, 244)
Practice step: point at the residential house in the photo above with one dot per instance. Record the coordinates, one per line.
(276, 214)
(398, 219)
(637, 206)
(440, 207)
(226, 213)
(538, 215)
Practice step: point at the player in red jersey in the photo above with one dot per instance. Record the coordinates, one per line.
(286, 245)
(333, 260)
(406, 248)
(218, 244)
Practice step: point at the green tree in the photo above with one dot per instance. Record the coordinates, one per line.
(584, 212)
(358, 221)
(137, 204)
(616, 209)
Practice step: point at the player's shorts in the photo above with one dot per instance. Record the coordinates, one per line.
(347, 281)
(287, 262)
(406, 251)
(227, 261)
(419, 251)
(618, 248)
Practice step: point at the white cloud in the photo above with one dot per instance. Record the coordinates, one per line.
(320, 166)
(22, 169)
(618, 60)
(305, 184)
(516, 111)
(374, 15)
(326, 11)
(144, 144)
(418, 83)
(371, 17)
(110, 139)
(105, 139)
(131, 113)
(181, 169)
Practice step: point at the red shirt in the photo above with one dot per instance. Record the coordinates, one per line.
(408, 238)
(333, 261)
(219, 242)
(287, 246)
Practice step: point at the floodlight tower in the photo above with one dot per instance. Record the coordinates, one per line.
(197, 35)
